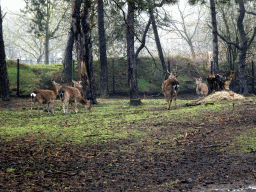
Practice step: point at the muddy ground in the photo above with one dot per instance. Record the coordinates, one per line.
(197, 162)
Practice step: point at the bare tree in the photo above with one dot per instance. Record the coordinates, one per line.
(243, 45)
(229, 31)
(44, 20)
(184, 26)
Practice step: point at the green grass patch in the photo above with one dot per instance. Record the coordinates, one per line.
(32, 76)
(109, 120)
(247, 140)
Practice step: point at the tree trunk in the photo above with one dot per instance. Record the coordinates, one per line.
(214, 37)
(76, 28)
(243, 44)
(82, 33)
(103, 54)
(132, 68)
(86, 65)
(193, 53)
(242, 72)
(4, 82)
(68, 61)
(46, 58)
(113, 76)
(47, 36)
(253, 77)
(158, 43)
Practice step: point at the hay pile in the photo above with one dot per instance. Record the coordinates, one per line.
(222, 95)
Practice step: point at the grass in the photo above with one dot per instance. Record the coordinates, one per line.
(109, 120)
(247, 140)
(31, 75)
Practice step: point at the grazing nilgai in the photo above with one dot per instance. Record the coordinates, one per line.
(72, 95)
(201, 88)
(170, 89)
(44, 96)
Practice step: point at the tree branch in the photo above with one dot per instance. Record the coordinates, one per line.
(225, 40)
(160, 4)
(143, 39)
(134, 31)
(252, 38)
(251, 13)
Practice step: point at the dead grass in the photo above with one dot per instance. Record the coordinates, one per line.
(223, 95)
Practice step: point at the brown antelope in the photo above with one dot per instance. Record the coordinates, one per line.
(77, 84)
(201, 88)
(72, 95)
(170, 89)
(43, 96)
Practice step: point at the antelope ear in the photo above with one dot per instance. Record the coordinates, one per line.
(79, 81)
(176, 75)
(53, 82)
(73, 81)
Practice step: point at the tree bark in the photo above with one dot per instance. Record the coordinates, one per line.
(253, 77)
(87, 70)
(68, 61)
(132, 68)
(4, 82)
(214, 37)
(47, 35)
(243, 44)
(103, 54)
(82, 33)
(158, 43)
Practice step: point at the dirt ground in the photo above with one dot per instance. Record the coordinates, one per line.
(198, 162)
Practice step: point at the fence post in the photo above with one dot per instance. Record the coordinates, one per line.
(18, 77)
(253, 77)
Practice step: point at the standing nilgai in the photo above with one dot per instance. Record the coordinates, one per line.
(170, 89)
(201, 88)
(72, 95)
(44, 96)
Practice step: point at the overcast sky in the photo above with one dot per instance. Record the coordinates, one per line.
(12, 5)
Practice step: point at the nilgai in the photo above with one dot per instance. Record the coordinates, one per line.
(170, 89)
(44, 96)
(201, 88)
(72, 95)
